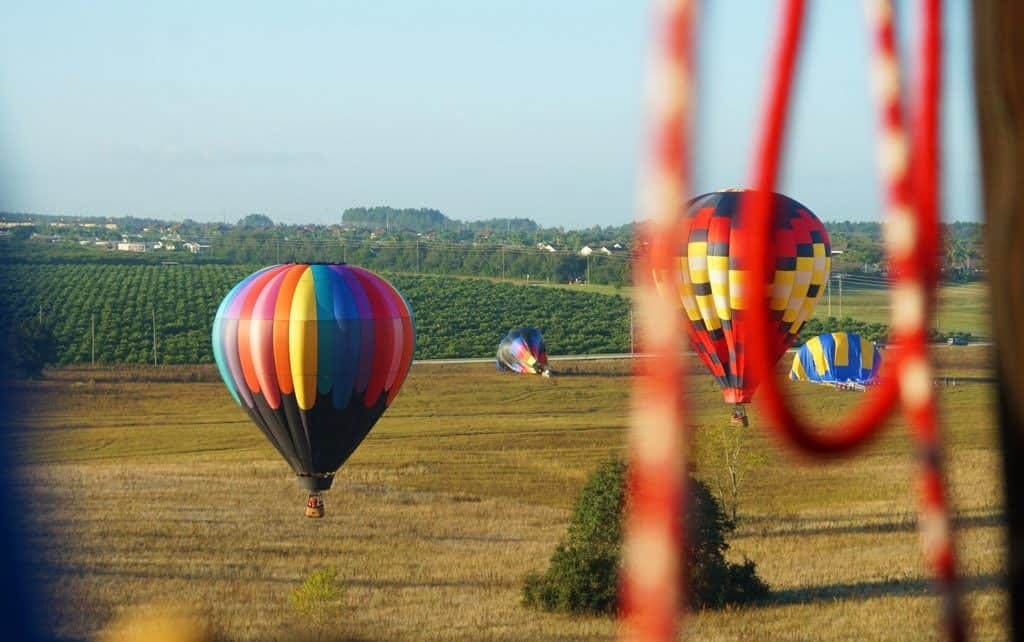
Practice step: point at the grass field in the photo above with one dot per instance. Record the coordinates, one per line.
(961, 307)
(160, 492)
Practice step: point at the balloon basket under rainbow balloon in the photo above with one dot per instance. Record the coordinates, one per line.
(315, 506)
(316, 485)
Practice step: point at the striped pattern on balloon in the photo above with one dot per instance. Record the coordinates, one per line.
(314, 354)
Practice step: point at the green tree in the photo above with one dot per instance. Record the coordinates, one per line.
(582, 576)
(256, 221)
(29, 348)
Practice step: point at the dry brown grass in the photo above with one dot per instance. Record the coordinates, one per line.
(163, 493)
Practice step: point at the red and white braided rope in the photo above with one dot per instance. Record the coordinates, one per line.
(657, 445)
(912, 237)
(650, 584)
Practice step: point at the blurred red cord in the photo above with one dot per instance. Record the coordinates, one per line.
(911, 177)
(912, 221)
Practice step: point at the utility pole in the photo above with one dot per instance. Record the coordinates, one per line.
(632, 334)
(92, 334)
(588, 269)
(503, 260)
(154, 335)
(840, 277)
(828, 293)
(417, 257)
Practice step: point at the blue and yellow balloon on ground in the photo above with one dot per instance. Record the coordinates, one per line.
(837, 359)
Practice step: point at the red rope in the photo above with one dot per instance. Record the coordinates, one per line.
(651, 594)
(881, 401)
(650, 585)
(911, 240)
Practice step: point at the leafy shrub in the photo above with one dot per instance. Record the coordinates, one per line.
(26, 349)
(318, 598)
(583, 573)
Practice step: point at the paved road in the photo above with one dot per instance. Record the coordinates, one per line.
(620, 355)
(581, 357)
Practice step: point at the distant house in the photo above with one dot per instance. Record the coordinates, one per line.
(546, 246)
(196, 248)
(131, 247)
(586, 251)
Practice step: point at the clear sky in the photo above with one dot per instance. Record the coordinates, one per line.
(521, 108)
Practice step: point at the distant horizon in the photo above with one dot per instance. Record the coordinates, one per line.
(236, 220)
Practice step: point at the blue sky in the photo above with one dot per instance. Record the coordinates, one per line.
(525, 108)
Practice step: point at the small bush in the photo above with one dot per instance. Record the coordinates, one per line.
(583, 574)
(318, 598)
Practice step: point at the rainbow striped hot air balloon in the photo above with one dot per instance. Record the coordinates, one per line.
(314, 354)
(523, 351)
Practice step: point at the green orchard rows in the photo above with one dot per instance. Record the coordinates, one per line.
(116, 310)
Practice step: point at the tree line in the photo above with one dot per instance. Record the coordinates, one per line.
(415, 256)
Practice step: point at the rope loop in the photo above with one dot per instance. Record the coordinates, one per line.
(910, 174)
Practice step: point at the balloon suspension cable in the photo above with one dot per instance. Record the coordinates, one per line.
(315, 505)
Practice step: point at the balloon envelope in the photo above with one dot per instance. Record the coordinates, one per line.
(314, 354)
(713, 255)
(837, 358)
(522, 350)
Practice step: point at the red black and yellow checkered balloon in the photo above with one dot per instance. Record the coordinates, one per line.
(713, 270)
